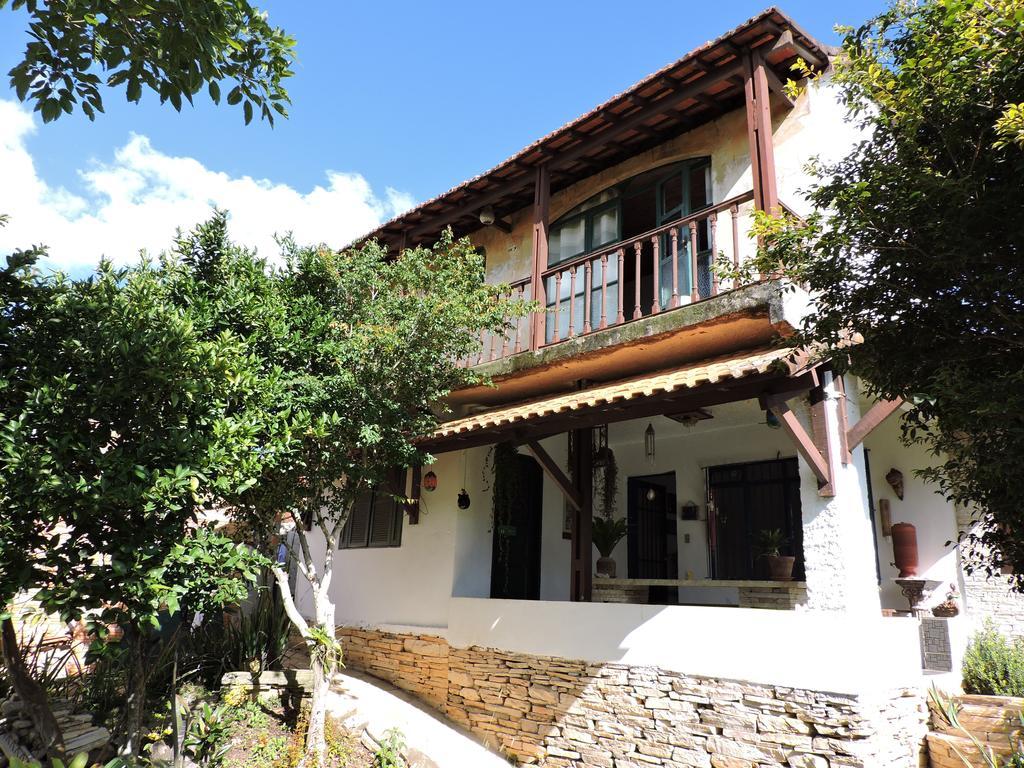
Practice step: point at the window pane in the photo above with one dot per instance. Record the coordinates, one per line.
(567, 240)
(605, 227)
(699, 179)
(671, 194)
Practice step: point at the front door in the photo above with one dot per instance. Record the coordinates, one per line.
(651, 532)
(515, 547)
(747, 499)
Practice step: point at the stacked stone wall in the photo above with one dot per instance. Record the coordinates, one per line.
(563, 713)
(415, 663)
(990, 597)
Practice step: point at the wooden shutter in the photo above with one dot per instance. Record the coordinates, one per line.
(386, 519)
(357, 529)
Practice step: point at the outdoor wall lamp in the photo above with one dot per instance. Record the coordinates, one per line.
(489, 219)
(649, 443)
(895, 478)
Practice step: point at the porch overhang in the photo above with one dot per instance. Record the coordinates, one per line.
(776, 373)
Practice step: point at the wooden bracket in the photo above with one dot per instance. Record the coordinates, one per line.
(876, 414)
(814, 448)
(553, 471)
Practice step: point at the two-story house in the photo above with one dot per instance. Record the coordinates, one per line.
(647, 388)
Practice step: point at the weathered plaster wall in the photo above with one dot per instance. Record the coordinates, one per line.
(838, 543)
(814, 127)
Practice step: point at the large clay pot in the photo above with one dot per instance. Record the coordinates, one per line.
(779, 567)
(605, 566)
(904, 549)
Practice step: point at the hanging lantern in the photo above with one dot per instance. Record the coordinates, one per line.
(463, 500)
(649, 443)
(429, 482)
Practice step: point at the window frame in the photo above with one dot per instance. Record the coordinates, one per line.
(379, 502)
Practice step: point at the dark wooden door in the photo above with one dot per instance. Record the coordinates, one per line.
(515, 547)
(748, 499)
(651, 532)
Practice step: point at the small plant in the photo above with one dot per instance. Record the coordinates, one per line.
(608, 533)
(206, 734)
(389, 753)
(771, 541)
(949, 606)
(993, 665)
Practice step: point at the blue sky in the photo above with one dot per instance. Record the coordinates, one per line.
(407, 97)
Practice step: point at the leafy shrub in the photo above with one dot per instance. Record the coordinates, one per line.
(993, 665)
(389, 754)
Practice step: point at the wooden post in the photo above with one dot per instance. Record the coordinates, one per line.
(759, 134)
(819, 432)
(541, 211)
(581, 578)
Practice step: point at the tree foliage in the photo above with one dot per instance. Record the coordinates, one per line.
(170, 47)
(917, 246)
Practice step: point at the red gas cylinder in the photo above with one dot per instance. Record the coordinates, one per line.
(904, 549)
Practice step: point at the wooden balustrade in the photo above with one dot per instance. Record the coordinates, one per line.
(657, 271)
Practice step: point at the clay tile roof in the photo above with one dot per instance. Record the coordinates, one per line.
(735, 366)
(509, 184)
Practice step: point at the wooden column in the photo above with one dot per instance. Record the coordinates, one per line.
(759, 133)
(582, 577)
(541, 210)
(819, 433)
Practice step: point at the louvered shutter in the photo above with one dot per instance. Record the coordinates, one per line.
(386, 527)
(357, 529)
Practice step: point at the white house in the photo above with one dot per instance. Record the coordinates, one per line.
(691, 655)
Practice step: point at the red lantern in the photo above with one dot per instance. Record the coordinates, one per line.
(429, 481)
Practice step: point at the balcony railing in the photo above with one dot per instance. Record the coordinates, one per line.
(662, 269)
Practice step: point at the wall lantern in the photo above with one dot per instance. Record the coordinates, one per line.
(489, 219)
(649, 443)
(895, 478)
(689, 511)
(463, 500)
(430, 482)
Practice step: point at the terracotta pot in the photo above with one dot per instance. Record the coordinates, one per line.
(945, 610)
(904, 549)
(605, 566)
(779, 567)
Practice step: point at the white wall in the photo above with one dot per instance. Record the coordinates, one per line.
(922, 505)
(820, 651)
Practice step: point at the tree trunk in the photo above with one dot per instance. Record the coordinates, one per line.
(31, 693)
(131, 720)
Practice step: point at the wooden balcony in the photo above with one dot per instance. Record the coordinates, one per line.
(656, 273)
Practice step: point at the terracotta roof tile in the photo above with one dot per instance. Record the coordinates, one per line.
(687, 377)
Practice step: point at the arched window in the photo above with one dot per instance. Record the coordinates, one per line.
(621, 213)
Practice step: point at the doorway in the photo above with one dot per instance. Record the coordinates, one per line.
(651, 545)
(516, 541)
(746, 499)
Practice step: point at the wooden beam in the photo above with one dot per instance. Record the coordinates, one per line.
(555, 473)
(776, 86)
(581, 583)
(805, 444)
(844, 443)
(820, 435)
(541, 213)
(876, 414)
(759, 135)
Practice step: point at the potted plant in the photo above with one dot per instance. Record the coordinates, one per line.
(778, 567)
(607, 533)
(948, 607)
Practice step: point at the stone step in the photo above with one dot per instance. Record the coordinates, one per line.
(286, 678)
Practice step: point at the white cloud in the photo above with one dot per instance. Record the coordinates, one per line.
(137, 200)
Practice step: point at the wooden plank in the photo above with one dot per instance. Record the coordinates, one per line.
(844, 444)
(581, 584)
(876, 414)
(555, 473)
(541, 213)
(820, 435)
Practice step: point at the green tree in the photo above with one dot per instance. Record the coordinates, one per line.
(358, 349)
(119, 425)
(917, 246)
(173, 48)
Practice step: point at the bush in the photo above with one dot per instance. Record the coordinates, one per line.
(993, 665)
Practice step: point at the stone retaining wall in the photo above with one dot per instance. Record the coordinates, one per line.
(562, 713)
(778, 598)
(415, 663)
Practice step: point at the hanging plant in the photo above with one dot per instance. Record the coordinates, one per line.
(606, 482)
